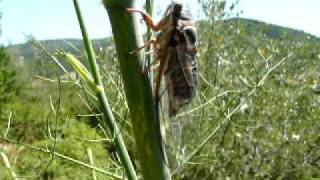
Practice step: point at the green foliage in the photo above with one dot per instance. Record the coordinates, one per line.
(8, 85)
(273, 135)
(73, 141)
(33, 122)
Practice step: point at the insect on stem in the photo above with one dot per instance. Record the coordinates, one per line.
(175, 49)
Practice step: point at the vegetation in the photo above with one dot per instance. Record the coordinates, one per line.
(97, 85)
(255, 116)
(8, 88)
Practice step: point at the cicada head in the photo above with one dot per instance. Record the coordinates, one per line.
(173, 8)
(176, 11)
(179, 28)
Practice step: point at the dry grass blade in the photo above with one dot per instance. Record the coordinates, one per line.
(8, 165)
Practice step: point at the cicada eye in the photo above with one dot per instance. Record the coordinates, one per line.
(177, 8)
(190, 35)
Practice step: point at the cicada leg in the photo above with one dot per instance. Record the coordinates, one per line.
(148, 19)
(163, 63)
(152, 66)
(155, 27)
(152, 41)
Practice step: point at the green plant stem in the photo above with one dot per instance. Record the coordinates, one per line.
(89, 151)
(149, 57)
(108, 116)
(138, 90)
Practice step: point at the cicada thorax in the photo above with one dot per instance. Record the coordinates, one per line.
(177, 52)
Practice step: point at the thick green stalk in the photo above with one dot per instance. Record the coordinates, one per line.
(149, 57)
(108, 116)
(138, 90)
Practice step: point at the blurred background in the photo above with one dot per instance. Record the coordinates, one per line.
(257, 102)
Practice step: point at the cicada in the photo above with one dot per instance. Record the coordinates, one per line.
(175, 50)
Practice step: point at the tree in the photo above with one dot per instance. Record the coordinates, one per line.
(8, 87)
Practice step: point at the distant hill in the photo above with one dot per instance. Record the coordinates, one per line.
(256, 27)
(26, 50)
(253, 27)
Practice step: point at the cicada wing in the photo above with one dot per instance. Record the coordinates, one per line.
(187, 55)
(180, 78)
(189, 66)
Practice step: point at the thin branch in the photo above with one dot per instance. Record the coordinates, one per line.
(8, 125)
(228, 117)
(206, 103)
(55, 130)
(8, 165)
(69, 159)
(89, 151)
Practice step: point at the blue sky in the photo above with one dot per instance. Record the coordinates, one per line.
(53, 19)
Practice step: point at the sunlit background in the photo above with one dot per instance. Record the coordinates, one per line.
(55, 19)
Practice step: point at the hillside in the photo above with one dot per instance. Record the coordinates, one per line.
(27, 50)
(253, 27)
(256, 27)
